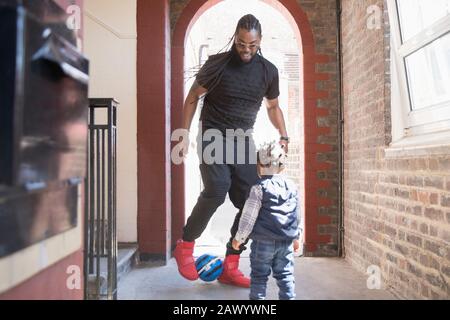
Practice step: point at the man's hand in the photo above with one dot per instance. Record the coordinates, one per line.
(285, 145)
(236, 244)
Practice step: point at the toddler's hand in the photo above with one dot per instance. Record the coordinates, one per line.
(296, 245)
(235, 244)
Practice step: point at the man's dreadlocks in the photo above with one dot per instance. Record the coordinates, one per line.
(212, 71)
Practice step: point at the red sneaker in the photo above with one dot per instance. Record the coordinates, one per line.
(185, 260)
(231, 274)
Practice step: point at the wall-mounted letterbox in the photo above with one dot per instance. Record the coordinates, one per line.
(43, 118)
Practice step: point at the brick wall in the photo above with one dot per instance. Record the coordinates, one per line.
(397, 210)
(295, 121)
(322, 19)
(153, 118)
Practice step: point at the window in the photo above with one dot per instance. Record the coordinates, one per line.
(420, 69)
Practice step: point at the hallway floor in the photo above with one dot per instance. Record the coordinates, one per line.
(316, 279)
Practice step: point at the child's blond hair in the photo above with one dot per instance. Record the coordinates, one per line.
(272, 156)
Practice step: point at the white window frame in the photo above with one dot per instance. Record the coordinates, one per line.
(414, 128)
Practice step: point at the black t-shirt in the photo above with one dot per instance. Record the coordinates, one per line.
(234, 101)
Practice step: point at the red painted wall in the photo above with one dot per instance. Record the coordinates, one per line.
(50, 284)
(153, 128)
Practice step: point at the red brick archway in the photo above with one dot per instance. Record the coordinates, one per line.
(300, 24)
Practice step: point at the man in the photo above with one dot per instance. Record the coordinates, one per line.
(233, 84)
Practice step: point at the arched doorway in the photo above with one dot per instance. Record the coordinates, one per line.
(299, 23)
(208, 36)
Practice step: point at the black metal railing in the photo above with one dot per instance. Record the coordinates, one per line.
(100, 215)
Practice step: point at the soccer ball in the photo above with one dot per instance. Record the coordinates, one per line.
(209, 267)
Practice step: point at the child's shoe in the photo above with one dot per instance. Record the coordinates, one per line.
(231, 274)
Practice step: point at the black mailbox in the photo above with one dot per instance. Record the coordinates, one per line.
(43, 122)
(43, 101)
